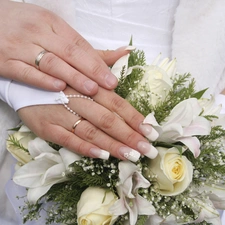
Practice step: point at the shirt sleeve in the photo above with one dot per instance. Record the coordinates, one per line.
(18, 95)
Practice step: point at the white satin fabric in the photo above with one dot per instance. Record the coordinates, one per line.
(106, 25)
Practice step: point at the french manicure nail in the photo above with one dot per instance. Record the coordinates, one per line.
(149, 132)
(129, 154)
(147, 149)
(111, 80)
(99, 153)
(89, 85)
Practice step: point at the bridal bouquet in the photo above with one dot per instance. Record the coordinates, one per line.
(184, 184)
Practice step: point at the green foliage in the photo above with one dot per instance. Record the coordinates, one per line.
(183, 88)
(87, 173)
(128, 83)
(14, 142)
(209, 167)
(142, 220)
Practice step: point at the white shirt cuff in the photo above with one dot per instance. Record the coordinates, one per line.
(18, 95)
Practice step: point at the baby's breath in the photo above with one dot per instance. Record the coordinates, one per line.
(60, 202)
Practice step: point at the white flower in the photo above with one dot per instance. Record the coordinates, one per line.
(157, 76)
(174, 171)
(122, 64)
(215, 192)
(22, 136)
(169, 220)
(130, 201)
(183, 123)
(157, 79)
(207, 210)
(93, 207)
(210, 108)
(48, 168)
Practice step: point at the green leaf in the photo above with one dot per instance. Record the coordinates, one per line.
(199, 94)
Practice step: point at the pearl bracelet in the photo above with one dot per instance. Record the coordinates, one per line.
(75, 96)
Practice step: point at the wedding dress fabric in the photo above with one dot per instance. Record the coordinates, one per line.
(156, 27)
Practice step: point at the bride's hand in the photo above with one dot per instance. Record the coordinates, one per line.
(100, 133)
(26, 30)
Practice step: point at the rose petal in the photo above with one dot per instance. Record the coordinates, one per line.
(92, 200)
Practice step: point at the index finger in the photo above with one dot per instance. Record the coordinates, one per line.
(76, 51)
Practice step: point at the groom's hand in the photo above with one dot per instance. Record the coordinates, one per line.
(26, 30)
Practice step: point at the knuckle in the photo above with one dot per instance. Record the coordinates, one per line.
(81, 42)
(31, 27)
(107, 120)
(135, 119)
(112, 147)
(96, 69)
(82, 148)
(49, 61)
(131, 137)
(117, 103)
(69, 50)
(26, 73)
(73, 77)
(90, 133)
(64, 140)
(45, 15)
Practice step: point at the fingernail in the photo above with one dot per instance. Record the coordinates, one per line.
(147, 149)
(111, 80)
(128, 48)
(99, 153)
(59, 84)
(89, 85)
(149, 132)
(129, 154)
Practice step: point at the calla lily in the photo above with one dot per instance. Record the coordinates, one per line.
(182, 124)
(48, 168)
(130, 201)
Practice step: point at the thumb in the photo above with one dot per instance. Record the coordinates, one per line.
(111, 56)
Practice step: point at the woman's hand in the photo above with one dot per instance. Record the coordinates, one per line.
(101, 131)
(26, 30)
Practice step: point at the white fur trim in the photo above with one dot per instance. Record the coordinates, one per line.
(199, 42)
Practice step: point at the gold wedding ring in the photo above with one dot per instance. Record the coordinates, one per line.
(39, 57)
(75, 125)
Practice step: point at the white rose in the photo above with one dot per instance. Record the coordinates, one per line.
(22, 136)
(93, 207)
(156, 76)
(157, 79)
(174, 171)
